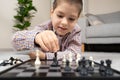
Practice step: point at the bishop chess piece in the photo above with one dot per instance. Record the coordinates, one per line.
(55, 61)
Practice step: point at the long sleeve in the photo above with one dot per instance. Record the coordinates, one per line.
(72, 45)
(24, 40)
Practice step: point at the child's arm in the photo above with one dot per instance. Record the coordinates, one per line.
(74, 47)
(24, 40)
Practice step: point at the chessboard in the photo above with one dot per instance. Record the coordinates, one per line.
(75, 71)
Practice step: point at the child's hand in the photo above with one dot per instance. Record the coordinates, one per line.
(47, 40)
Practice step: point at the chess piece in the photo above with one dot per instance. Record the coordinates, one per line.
(84, 71)
(55, 61)
(17, 61)
(67, 67)
(90, 67)
(109, 71)
(70, 57)
(78, 57)
(79, 66)
(91, 59)
(64, 59)
(37, 61)
(11, 60)
(102, 68)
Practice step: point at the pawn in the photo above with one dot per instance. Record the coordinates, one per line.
(70, 57)
(90, 67)
(84, 71)
(109, 71)
(78, 57)
(64, 59)
(67, 67)
(102, 68)
(79, 66)
(91, 59)
(37, 61)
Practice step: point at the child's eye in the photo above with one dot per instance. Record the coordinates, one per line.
(71, 19)
(60, 16)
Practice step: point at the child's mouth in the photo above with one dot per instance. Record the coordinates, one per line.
(62, 28)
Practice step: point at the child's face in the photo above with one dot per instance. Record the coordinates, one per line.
(64, 18)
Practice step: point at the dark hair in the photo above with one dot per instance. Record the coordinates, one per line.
(78, 2)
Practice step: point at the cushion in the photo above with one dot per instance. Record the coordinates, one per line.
(93, 20)
(103, 31)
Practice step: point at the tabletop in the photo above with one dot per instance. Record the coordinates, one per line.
(97, 56)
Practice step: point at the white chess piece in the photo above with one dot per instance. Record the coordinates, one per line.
(64, 59)
(78, 57)
(70, 57)
(37, 61)
(91, 58)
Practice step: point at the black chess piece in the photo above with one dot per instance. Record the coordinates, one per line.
(109, 71)
(11, 60)
(67, 67)
(79, 66)
(4, 63)
(102, 68)
(84, 71)
(55, 61)
(90, 67)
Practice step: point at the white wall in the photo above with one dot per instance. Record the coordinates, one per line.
(43, 6)
(7, 11)
(102, 6)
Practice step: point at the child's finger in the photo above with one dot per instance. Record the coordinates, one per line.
(55, 43)
(42, 44)
(48, 42)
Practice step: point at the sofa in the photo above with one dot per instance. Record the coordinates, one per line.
(100, 28)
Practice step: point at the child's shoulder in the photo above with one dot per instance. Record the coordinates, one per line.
(77, 28)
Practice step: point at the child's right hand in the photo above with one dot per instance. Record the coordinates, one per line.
(47, 40)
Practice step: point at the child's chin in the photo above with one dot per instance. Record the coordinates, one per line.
(61, 34)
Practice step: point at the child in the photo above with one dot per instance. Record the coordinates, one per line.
(61, 34)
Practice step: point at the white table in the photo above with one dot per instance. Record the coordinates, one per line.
(115, 57)
(5, 55)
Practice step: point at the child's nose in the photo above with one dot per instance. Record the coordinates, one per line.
(64, 21)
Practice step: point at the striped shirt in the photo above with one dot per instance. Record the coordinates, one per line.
(70, 43)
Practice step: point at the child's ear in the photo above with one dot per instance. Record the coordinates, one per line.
(51, 11)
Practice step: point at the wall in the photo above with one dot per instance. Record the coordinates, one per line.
(102, 6)
(7, 11)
